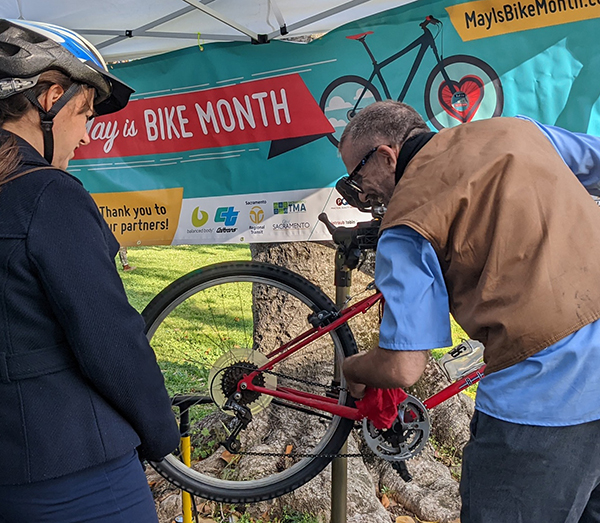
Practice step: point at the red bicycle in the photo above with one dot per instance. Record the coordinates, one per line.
(249, 354)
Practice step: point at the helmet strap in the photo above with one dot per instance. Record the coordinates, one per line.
(47, 117)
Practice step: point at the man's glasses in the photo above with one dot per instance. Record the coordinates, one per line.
(351, 179)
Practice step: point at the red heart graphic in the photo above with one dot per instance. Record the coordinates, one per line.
(468, 96)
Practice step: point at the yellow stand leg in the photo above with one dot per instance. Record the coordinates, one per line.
(186, 498)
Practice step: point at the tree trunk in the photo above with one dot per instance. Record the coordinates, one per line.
(433, 493)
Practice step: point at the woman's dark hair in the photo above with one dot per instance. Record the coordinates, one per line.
(14, 108)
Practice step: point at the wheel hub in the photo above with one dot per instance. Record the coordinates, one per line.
(232, 376)
(227, 372)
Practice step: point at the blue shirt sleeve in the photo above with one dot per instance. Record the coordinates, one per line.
(416, 315)
(581, 153)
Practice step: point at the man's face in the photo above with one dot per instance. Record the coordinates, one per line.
(372, 170)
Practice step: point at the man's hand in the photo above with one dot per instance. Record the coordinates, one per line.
(383, 369)
(357, 390)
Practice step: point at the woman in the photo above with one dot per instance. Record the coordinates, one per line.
(81, 393)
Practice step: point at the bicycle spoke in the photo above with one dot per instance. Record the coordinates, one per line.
(207, 339)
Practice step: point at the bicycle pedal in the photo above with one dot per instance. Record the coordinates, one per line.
(402, 470)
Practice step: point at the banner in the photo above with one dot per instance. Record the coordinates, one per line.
(231, 142)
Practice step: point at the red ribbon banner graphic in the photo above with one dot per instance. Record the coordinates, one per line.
(272, 109)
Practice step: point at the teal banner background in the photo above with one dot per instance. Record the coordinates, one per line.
(551, 74)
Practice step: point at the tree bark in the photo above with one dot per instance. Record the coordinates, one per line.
(433, 494)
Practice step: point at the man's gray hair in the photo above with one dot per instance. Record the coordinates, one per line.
(383, 123)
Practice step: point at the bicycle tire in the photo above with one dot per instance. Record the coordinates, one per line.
(345, 91)
(222, 278)
(490, 105)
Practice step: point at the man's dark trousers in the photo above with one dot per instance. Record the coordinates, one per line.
(531, 474)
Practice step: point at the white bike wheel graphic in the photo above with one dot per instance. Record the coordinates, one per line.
(479, 95)
(343, 99)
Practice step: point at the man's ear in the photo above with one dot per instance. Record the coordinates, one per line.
(51, 96)
(389, 155)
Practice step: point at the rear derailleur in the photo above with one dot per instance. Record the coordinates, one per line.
(243, 417)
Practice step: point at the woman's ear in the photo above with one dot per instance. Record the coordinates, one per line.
(50, 97)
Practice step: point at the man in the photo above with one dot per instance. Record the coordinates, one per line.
(490, 221)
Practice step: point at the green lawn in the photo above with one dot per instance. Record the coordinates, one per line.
(157, 267)
(184, 344)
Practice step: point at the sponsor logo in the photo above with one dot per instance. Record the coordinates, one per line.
(343, 223)
(257, 214)
(256, 229)
(340, 202)
(226, 215)
(199, 218)
(256, 202)
(289, 207)
(209, 230)
(286, 225)
(221, 230)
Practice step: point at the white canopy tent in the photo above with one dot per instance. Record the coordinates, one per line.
(127, 29)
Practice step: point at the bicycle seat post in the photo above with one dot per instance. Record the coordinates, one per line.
(363, 41)
(362, 38)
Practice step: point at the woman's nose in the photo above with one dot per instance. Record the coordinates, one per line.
(86, 138)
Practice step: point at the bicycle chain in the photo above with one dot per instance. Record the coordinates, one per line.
(301, 455)
(300, 380)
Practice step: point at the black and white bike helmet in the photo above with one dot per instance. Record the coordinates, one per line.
(27, 49)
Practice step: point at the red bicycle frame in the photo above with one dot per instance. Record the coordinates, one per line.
(331, 405)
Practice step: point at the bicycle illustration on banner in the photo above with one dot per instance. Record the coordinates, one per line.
(459, 89)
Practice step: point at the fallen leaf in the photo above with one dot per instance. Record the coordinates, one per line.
(288, 450)
(385, 501)
(227, 456)
(205, 508)
(404, 519)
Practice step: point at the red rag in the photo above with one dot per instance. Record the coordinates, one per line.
(381, 406)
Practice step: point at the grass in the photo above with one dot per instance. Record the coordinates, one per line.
(184, 342)
(180, 342)
(157, 267)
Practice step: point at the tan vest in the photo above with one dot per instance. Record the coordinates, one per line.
(516, 234)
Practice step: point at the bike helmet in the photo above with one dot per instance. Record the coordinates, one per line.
(27, 49)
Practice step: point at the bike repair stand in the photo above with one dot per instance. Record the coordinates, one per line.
(184, 405)
(339, 466)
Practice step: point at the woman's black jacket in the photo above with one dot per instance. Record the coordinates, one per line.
(79, 383)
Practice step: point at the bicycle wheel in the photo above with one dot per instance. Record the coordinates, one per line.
(478, 93)
(342, 99)
(207, 328)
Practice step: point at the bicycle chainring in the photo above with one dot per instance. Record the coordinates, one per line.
(406, 438)
(229, 369)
